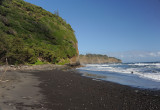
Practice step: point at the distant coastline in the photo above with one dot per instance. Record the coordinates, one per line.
(97, 59)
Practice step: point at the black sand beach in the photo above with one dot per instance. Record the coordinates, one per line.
(68, 90)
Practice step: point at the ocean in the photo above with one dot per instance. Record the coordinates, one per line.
(141, 75)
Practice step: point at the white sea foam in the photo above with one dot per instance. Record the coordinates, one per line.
(155, 76)
(158, 66)
(146, 64)
(138, 71)
(96, 65)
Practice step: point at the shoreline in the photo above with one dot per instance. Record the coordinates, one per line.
(69, 90)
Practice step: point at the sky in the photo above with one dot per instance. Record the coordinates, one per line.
(126, 29)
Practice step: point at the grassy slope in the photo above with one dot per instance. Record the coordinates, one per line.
(28, 33)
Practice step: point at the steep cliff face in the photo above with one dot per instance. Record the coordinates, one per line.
(75, 59)
(29, 34)
(97, 59)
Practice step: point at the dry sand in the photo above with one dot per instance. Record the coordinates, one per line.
(20, 92)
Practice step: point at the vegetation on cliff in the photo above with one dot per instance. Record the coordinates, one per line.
(97, 59)
(30, 34)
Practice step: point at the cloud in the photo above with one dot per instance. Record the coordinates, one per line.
(158, 53)
(136, 56)
(141, 55)
(122, 56)
(153, 54)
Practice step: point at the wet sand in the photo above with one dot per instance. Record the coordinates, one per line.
(68, 90)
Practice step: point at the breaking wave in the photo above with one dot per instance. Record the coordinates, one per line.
(147, 71)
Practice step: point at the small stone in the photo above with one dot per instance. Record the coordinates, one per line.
(136, 90)
(14, 108)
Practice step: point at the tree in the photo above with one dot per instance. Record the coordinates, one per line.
(56, 12)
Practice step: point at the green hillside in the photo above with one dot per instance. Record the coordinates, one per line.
(30, 34)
